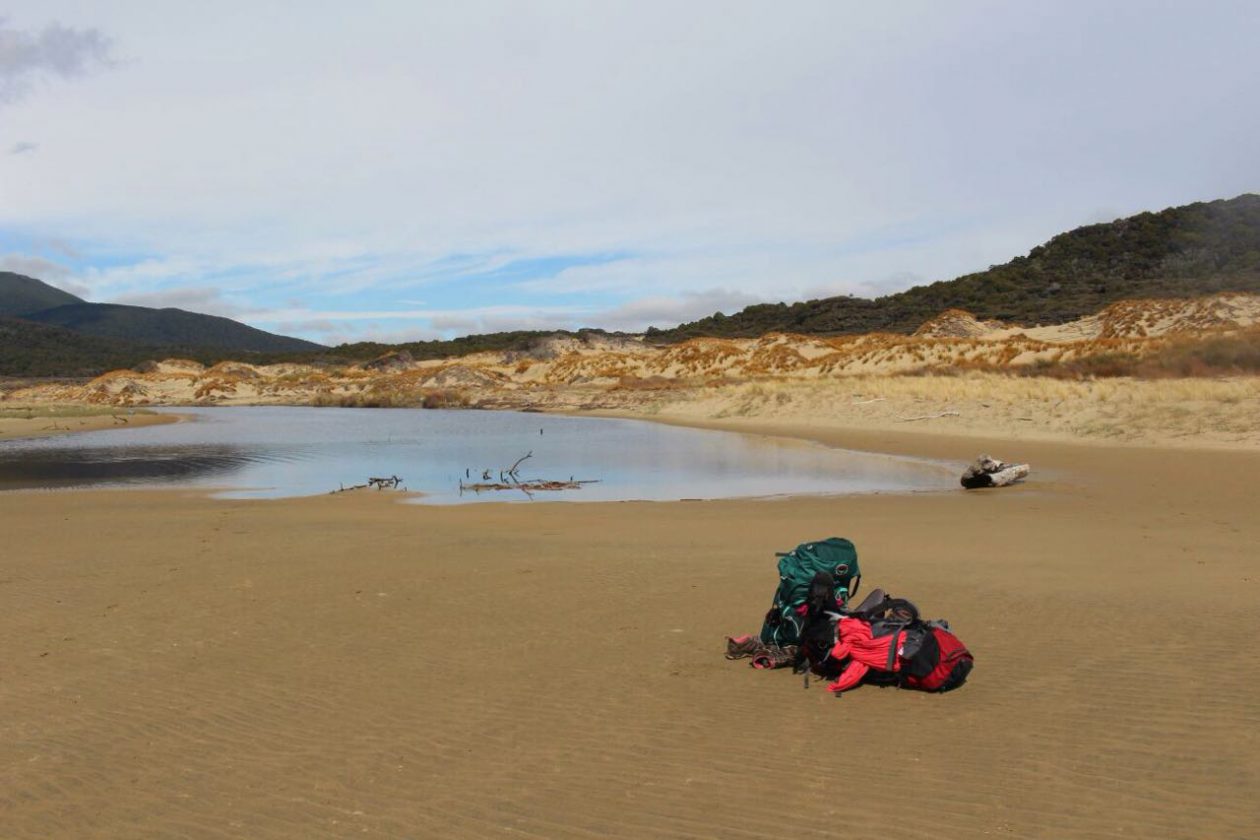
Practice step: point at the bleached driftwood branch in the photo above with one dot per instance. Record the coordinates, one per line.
(393, 482)
(929, 416)
(528, 486)
(512, 469)
(509, 479)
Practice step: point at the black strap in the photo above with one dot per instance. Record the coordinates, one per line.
(892, 649)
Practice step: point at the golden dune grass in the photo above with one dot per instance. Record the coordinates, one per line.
(1218, 412)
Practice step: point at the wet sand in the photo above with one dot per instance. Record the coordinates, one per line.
(345, 666)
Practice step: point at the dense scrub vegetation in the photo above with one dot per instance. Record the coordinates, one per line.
(1192, 356)
(1180, 252)
(28, 349)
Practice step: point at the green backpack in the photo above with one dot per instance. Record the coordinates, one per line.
(834, 555)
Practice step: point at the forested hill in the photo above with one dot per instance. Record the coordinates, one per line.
(21, 295)
(1185, 251)
(167, 327)
(35, 301)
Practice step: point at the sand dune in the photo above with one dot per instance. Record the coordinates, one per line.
(1126, 319)
(850, 381)
(961, 385)
(600, 368)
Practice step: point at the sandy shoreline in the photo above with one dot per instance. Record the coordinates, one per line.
(346, 666)
(45, 421)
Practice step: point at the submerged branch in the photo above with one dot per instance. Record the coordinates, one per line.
(393, 482)
(529, 486)
(509, 479)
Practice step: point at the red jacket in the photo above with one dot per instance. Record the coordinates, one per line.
(862, 651)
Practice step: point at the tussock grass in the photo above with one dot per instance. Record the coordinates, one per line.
(55, 411)
(381, 398)
(1213, 355)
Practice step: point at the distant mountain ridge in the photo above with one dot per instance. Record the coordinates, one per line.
(1188, 251)
(35, 301)
(21, 295)
(167, 327)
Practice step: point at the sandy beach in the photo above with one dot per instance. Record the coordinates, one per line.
(344, 666)
(570, 319)
(46, 420)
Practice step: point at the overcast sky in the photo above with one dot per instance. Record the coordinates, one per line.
(401, 170)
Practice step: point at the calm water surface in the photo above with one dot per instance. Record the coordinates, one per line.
(266, 452)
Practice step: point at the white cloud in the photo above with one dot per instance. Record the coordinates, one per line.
(203, 299)
(638, 315)
(37, 267)
(29, 56)
(53, 273)
(770, 151)
(879, 286)
(632, 316)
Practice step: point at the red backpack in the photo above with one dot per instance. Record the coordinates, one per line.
(932, 657)
(953, 663)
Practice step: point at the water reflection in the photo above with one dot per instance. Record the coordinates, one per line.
(285, 451)
(85, 467)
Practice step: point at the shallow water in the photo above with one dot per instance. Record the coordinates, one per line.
(277, 451)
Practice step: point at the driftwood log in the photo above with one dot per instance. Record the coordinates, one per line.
(990, 472)
(393, 482)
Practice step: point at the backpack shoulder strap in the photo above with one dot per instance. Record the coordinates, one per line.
(892, 650)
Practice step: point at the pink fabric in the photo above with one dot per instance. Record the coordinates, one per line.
(863, 652)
